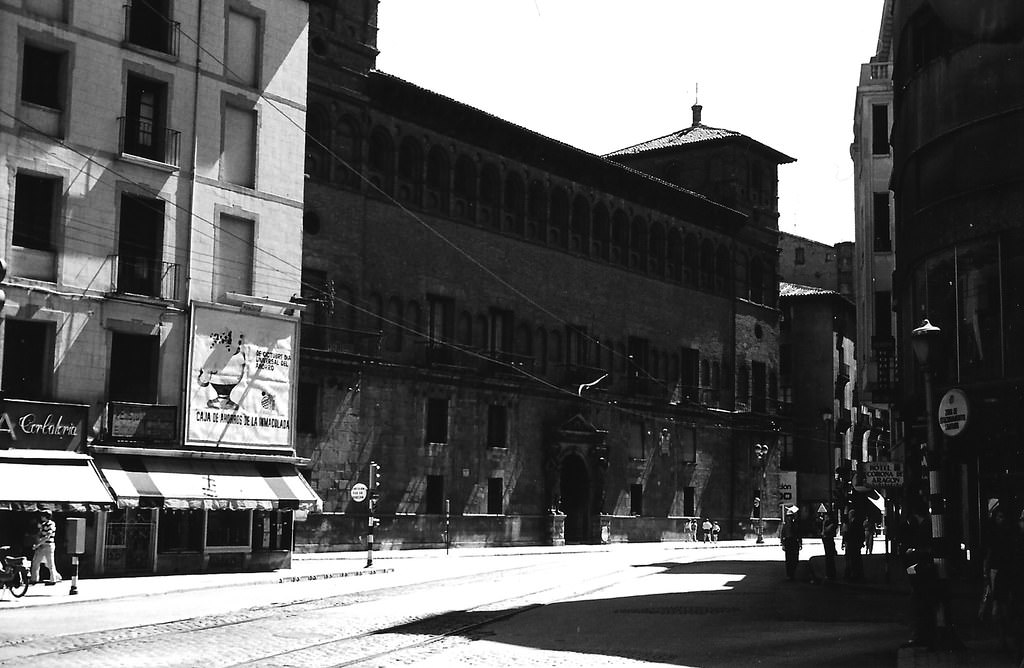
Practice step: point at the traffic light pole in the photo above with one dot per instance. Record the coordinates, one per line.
(371, 501)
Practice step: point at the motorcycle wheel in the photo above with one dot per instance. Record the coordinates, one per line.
(19, 588)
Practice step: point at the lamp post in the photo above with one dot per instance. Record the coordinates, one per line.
(761, 454)
(926, 341)
(829, 457)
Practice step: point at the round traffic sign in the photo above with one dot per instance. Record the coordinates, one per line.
(953, 412)
(358, 492)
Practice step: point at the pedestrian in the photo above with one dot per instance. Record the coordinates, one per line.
(706, 529)
(828, 541)
(1000, 572)
(43, 548)
(791, 542)
(692, 528)
(715, 530)
(854, 541)
(915, 549)
(869, 535)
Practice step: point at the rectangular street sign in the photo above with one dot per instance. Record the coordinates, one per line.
(883, 475)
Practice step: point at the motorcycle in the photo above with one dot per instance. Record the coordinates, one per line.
(13, 572)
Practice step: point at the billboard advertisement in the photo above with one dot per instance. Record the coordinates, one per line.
(241, 377)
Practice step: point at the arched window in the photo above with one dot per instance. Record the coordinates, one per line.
(602, 233)
(558, 230)
(675, 255)
(537, 211)
(620, 239)
(347, 139)
(438, 179)
(690, 261)
(638, 244)
(656, 251)
(515, 204)
(723, 275)
(490, 195)
(381, 161)
(707, 264)
(410, 170)
(465, 188)
(756, 281)
(579, 237)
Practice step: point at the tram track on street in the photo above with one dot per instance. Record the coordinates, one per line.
(390, 637)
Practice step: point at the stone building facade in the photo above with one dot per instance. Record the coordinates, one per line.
(536, 344)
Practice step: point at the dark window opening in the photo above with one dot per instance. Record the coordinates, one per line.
(759, 379)
(42, 78)
(28, 365)
(271, 530)
(35, 200)
(880, 211)
(497, 426)
(149, 25)
(636, 499)
(227, 528)
(434, 495)
(799, 256)
(140, 239)
(437, 420)
(180, 531)
(145, 122)
(308, 407)
(495, 494)
(134, 360)
(689, 501)
(880, 129)
(883, 313)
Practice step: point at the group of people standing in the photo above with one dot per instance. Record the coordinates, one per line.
(705, 531)
(857, 533)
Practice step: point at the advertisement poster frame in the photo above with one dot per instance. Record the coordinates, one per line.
(242, 375)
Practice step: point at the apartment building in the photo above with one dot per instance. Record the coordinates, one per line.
(151, 191)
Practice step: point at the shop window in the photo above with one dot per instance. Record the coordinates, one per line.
(636, 499)
(437, 420)
(242, 46)
(495, 496)
(497, 426)
(134, 360)
(271, 530)
(238, 146)
(227, 528)
(180, 531)
(28, 358)
(43, 77)
(233, 244)
(434, 496)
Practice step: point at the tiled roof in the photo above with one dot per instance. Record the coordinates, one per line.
(690, 135)
(795, 290)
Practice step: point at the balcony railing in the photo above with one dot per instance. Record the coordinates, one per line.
(144, 26)
(340, 340)
(143, 138)
(133, 275)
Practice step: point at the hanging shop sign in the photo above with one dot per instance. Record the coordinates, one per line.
(953, 412)
(883, 475)
(42, 425)
(242, 373)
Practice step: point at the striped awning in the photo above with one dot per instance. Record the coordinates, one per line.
(51, 479)
(210, 484)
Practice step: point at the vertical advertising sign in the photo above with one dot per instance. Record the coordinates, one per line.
(240, 378)
(787, 488)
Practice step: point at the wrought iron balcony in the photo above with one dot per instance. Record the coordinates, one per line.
(145, 26)
(133, 275)
(144, 139)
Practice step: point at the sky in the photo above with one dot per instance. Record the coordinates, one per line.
(605, 74)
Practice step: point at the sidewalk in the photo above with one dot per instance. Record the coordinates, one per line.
(308, 566)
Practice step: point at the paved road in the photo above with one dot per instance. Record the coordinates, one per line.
(640, 605)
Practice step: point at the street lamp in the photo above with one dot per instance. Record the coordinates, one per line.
(926, 342)
(761, 454)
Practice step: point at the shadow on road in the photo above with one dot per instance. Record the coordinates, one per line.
(710, 613)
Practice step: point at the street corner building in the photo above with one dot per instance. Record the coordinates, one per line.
(534, 343)
(151, 162)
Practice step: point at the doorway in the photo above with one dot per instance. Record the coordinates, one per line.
(575, 499)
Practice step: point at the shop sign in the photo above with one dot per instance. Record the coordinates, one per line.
(953, 412)
(883, 475)
(142, 423)
(241, 377)
(42, 425)
(787, 488)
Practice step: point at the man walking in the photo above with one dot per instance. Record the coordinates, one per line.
(791, 542)
(43, 548)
